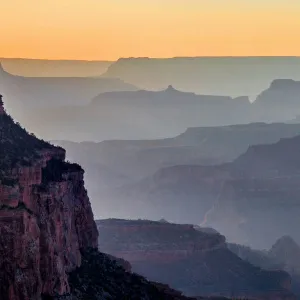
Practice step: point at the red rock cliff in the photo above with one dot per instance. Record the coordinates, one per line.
(45, 216)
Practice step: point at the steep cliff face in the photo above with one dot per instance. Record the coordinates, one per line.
(45, 216)
(193, 261)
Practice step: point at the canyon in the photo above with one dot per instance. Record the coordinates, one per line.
(48, 237)
(210, 176)
(251, 200)
(142, 171)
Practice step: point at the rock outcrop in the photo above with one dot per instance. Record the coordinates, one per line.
(45, 216)
(100, 278)
(192, 261)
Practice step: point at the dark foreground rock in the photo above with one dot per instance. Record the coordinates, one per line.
(99, 278)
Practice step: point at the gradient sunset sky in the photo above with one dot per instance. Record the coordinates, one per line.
(109, 29)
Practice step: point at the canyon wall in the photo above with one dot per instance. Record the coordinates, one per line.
(191, 259)
(45, 218)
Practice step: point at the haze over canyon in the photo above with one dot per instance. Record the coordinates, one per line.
(150, 178)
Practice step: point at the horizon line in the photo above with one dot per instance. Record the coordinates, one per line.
(149, 57)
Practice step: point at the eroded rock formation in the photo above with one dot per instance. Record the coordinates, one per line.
(193, 261)
(45, 216)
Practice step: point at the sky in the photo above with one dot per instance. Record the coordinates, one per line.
(109, 29)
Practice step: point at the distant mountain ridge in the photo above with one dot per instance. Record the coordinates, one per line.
(136, 115)
(109, 108)
(25, 95)
(234, 76)
(54, 68)
(170, 91)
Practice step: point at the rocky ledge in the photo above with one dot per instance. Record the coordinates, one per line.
(193, 260)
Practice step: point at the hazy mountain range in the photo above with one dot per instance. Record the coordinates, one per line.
(109, 108)
(252, 200)
(149, 115)
(136, 115)
(233, 76)
(168, 178)
(26, 94)
(54, 68)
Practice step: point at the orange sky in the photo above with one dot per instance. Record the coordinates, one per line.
(109, 29)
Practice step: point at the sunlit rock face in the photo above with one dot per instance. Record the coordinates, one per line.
(45, 216)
